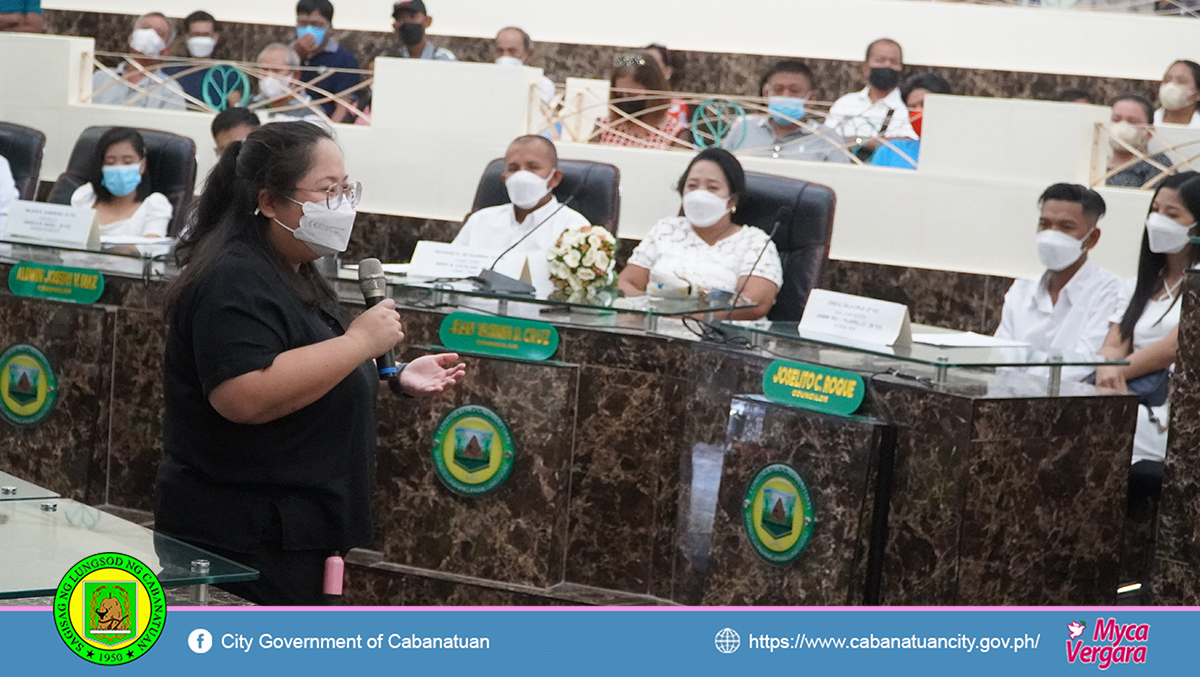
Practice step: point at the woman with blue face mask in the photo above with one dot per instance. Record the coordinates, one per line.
(118, 189)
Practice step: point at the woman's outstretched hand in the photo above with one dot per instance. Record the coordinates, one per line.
(431, 374)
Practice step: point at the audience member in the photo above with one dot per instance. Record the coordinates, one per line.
(878, 110)
(1179, 95)
(21, 16)
(785, 133)
(201, 40)
(8, 190)
(1074, 96)
(143, 85)
(279, 88)
(514, 47)
(913, 92)
(1131, 116)
(705, 248)
(1145, 329)
(321, 53)
(118, 191)
(672, 70)
(634, 75)
(232, 124)
(411, 20)
(530, 175)
(1067, 307)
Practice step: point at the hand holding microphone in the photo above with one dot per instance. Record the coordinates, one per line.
(378, 330)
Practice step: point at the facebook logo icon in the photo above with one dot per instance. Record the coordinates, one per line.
(200, 641)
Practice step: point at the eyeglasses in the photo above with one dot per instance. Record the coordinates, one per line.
(335, 193)
(629, 60)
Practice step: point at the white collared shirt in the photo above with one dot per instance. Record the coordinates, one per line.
(1078, 323)
(855, 116)
(1195, 123)
(495, 229)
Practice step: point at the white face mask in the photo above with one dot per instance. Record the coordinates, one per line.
(1166, 235)
(326, 231)
(704, 209)
(273, 87)
(1057, 250)
(201, 46)
(1174, 96)
(147, 41)
(526, 189)
(509, 61)
(1127, 132)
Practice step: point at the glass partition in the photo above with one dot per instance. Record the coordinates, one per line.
(941, 358)
(41, 540)
(13, 488)
(150, 261)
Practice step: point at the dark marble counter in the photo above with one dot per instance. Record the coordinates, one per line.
(1000, 494)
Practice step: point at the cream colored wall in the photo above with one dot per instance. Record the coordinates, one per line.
(970, 207)
(936, 34)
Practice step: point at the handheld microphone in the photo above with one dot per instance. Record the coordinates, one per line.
(490, 279)
(374, 289)
(784, 214)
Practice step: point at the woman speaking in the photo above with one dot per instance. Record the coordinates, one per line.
(269, 429)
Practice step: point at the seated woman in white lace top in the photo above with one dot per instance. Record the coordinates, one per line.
(704, 247)
(123, 202)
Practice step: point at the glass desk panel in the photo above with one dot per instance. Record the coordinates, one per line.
(13, 488)
(154, 260)
(38, 547)
(935, 356)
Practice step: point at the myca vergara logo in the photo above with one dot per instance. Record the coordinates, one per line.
(777, 513)
(1111, 643)
(472, 450)
(110, 609)
(28, 388)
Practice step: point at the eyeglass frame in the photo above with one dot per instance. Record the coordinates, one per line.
(355, 188)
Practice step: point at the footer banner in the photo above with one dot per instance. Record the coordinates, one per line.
(596, 641)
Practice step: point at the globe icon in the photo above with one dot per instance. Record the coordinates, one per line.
(728, 641)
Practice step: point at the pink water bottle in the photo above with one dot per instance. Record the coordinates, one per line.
(335, 567)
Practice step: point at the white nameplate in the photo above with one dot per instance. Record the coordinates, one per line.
(44, 223)
(444, 260)
(856, 318)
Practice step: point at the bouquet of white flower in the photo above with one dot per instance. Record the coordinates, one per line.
(581, 263)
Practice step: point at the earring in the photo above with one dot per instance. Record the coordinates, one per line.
(256, 211)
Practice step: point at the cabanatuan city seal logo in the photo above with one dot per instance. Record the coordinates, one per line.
(110, 609)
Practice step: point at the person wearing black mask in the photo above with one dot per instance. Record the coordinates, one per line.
(877, 112)
(411, 22)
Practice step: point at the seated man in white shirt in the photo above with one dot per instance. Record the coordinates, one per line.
(148, 86)
(1068, 307)
(878, 111)
(530, 174)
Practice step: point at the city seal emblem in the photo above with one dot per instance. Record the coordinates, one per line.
(109, 609)
(28, 388)
(777, 514)
(472, 451)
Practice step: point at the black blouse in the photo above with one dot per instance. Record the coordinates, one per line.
(222, 483)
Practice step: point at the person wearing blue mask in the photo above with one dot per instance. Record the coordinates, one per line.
(118, 190)
(325, 61)
(788, 131)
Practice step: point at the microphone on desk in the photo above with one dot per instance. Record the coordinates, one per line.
(490, 280)
(783, 215)
(374, 289)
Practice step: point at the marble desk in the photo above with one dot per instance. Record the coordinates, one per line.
(1000, 493)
